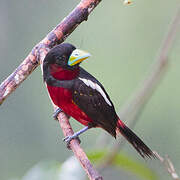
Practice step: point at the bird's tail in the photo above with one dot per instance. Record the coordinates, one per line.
(137, 143)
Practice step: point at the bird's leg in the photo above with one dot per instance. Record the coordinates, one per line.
(56, 112)
(67, 139)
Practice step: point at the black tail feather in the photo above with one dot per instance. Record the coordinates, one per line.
(137, 143)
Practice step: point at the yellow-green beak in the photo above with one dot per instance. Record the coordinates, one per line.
(77, 56)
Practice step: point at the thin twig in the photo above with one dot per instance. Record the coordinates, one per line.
(37, 55)
(132, 109)
(78, 151)
(56, 36)
(168, 165)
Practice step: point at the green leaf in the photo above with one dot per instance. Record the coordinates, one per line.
(136, 167)
(127, 163)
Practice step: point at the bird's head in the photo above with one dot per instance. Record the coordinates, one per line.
(66, 56)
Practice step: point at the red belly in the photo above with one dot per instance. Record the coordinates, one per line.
(63, 99)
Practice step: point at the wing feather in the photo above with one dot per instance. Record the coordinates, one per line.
(92, 98)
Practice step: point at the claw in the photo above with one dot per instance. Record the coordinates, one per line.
(68, 139)
(75, 136)
(56, 112)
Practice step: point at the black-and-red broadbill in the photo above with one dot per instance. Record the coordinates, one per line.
(82, 96)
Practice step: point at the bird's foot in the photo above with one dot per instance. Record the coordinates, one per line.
(56, 113)
(75, 136)
(68, 139)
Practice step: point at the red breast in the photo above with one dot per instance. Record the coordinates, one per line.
(63, 74)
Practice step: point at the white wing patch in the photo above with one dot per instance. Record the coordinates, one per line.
(97, 87)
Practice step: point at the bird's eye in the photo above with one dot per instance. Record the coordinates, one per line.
(63, 57)
(76, 54)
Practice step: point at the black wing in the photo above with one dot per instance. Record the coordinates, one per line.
(91, 97)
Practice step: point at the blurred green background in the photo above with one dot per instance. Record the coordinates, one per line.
(124, 41)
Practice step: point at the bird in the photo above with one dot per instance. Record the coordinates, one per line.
(80, 95)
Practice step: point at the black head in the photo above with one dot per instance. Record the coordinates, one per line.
(66, 56)
(60, 55)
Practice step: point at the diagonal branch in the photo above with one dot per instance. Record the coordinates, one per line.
(168, 165)
(56, 36)
(77, 150)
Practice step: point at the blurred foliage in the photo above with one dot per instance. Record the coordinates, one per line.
(44, 171)
(52, 170)
(71, 169)
(124, 41)
(127, 163)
